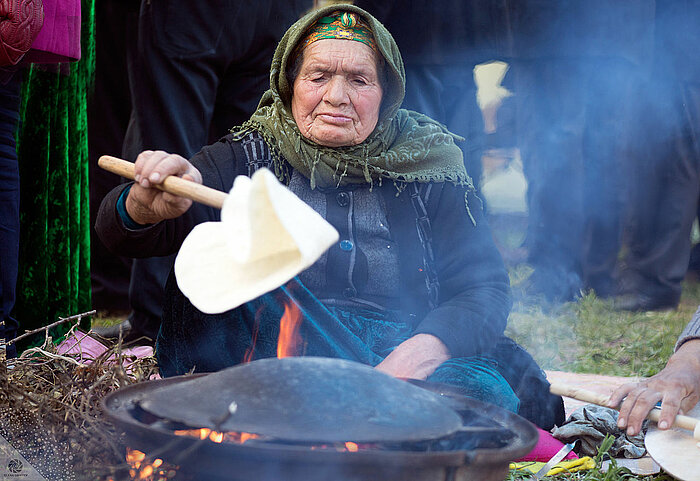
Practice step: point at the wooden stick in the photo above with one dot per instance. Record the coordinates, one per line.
(171, 184)
(61, 320)
(685, 422)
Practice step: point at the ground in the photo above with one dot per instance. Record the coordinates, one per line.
(589, 336)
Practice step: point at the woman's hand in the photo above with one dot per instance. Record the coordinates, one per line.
(145, 203)
(415, 358)
(677, 386)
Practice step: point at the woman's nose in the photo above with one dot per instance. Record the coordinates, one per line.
(336, 91)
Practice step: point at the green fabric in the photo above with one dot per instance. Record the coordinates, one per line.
(344, 26)
(54, 259)
(404, 147)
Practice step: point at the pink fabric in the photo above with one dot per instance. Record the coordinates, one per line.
(86, 349)
(20, 23)
(546, 447)
(59, 38)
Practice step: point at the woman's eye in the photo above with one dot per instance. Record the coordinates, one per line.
(360, 81)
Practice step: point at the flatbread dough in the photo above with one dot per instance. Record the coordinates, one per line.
(266, 236)
(675, 450)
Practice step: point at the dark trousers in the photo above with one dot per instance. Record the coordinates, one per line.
(447, 93)
(199, 69)
(109, 108)
(569, 132)
(665, 171)
(9, 206)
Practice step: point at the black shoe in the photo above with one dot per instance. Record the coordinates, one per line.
(642, 302)
(553, 286)
(112, 332)
(129, 334)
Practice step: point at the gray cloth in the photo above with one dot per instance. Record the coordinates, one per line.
(590, 424)
(691, 331)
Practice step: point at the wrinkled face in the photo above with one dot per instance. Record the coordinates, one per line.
(337, 93)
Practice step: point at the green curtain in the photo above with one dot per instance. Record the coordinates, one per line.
(54, 259)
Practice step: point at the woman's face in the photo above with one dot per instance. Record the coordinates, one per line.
(337, 94)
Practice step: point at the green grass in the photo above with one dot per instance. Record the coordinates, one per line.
(589, 336)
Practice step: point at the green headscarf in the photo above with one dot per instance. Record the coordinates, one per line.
(405, 146)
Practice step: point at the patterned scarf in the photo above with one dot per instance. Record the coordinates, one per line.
(405, 146)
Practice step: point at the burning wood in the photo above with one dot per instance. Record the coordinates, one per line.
(142, 469)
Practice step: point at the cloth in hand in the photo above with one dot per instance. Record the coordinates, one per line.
(589, 424)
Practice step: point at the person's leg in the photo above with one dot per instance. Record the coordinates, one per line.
(607, 103)
(666, 197)
(477, 378)
(109, 108)
(9, 207)
(529, 383)
(551, 112)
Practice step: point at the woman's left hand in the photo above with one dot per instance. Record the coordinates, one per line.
(415, 358)
(677, 386)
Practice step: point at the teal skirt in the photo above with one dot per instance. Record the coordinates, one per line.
(190, 340)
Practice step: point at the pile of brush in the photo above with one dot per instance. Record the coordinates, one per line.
(50, 410)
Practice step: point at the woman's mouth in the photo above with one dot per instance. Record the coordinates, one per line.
(335, 119)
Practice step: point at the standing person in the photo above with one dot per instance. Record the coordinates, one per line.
(571, 66)
(54, 258)
(441, 42)
(665, 162)
(198, 70)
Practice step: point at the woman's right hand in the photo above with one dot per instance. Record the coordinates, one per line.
(148, 205)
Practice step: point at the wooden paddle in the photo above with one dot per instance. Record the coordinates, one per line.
(171, 184)
(685, 422)
(675, 449)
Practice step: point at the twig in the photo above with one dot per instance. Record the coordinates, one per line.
(60, 321)
(52, 356)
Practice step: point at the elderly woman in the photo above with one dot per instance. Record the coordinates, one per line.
(415, 287)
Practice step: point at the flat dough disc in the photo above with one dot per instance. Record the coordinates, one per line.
(675, 450)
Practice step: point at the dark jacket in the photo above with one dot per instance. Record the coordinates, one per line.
(444, 32)
(473, 302)
(678, 37)
(622, 29)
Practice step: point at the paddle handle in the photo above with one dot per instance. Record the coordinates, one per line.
(685, 422)
(171, 184)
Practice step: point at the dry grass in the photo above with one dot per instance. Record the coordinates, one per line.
(50, 411)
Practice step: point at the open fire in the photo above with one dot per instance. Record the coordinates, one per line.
(289, 340)
(288, 345)
(398, 435)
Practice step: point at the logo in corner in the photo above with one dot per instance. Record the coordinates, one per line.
(15, 466)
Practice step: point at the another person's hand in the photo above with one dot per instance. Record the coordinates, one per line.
(415, 358)
(677, 386)
(145, 203)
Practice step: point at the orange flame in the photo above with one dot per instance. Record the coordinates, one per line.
(352, 447)
(246, 436)
(135, 460)
(289, 340)
(217, 437)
